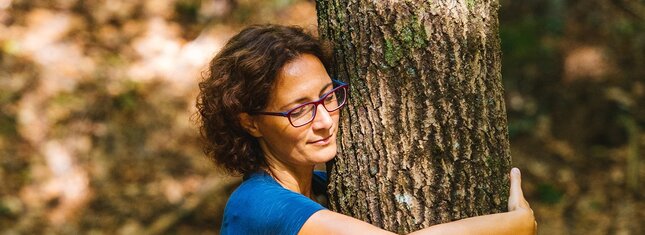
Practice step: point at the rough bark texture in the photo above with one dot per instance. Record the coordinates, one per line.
(424, 139)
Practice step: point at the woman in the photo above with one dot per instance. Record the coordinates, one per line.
(269, 111)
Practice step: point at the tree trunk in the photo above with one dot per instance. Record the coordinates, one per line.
(424, 139)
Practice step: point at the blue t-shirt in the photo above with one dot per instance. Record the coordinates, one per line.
(260, 205)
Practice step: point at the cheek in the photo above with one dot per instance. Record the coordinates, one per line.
(298, 135)
(280, 133)
(289, 136)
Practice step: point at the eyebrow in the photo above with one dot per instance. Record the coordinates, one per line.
(303, 99)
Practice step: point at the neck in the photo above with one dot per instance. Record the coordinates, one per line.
(298, 181)
(294, 178)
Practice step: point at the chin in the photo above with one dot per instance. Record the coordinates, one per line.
(326, 154)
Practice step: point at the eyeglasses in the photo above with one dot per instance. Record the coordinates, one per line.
(305, 113)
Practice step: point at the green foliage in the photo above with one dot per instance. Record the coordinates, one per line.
(5, 211)
(127, 101)
(521, 126)
(522, 42)
(279, 4)
(548, 193)
(7, 126)
(187, 10)
(132, 137)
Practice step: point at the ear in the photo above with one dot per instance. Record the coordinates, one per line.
(249, 124)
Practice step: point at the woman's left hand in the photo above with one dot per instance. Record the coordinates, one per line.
(517, 204)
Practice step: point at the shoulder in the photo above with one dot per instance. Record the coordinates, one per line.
(258, 190)
(261, 205)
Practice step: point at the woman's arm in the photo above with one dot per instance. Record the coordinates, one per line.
(519, 220)
(329, 222)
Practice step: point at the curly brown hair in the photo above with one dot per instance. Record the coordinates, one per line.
(239, 80)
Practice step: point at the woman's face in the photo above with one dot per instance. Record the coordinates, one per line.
(302, 80)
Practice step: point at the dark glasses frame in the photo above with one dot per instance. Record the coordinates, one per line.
(321, 101)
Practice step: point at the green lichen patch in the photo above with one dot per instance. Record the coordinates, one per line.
(412, 33)
(393, 53)
(409, 34)
(471, 4)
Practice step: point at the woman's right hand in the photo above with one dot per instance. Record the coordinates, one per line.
(518, 205)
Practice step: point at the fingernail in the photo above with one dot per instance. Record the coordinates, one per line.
(516, 171)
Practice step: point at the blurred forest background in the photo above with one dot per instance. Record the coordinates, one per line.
(96, 99)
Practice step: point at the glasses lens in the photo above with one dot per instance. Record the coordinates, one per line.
(335, 99)
(302, 115)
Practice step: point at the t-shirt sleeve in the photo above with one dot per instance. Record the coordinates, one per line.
(267, 209)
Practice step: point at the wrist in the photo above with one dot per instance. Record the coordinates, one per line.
(525, 220)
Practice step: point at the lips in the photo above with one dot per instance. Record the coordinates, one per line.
(321, 141)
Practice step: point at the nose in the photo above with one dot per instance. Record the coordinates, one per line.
(323, 119)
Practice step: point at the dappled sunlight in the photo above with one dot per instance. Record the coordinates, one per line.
(65, 186)
(96, 100)
(586, 62)
(62, 61)
(164, 55)
(99, 97)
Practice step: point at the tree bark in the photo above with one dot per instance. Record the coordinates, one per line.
(424, 139)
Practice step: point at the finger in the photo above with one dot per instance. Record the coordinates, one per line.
(515, 195)
(516, 183)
